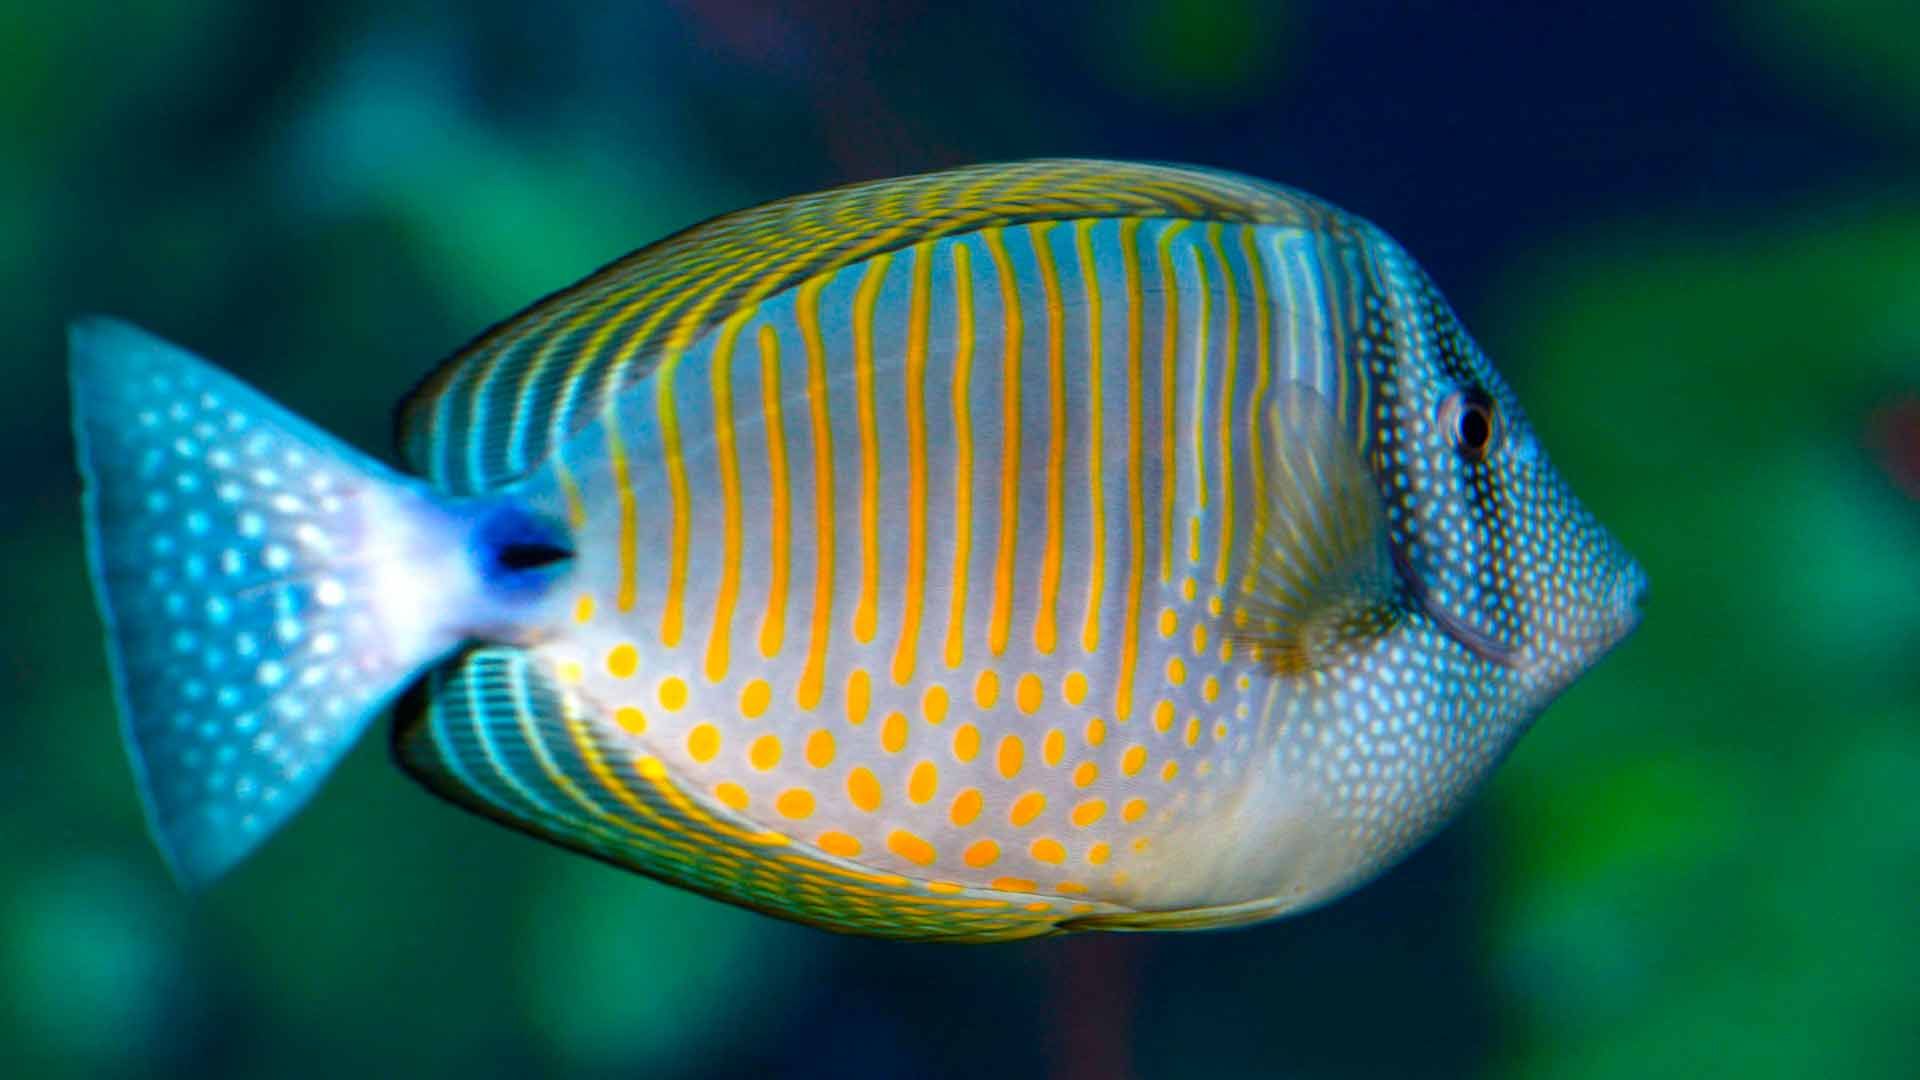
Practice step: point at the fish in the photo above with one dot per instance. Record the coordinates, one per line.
(986, 554)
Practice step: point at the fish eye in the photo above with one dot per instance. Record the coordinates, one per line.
(1468, 417)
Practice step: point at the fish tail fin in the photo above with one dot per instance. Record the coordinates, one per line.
(266, 589)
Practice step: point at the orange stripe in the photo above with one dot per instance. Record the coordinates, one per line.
(1001, 619)
(1096, 445)
(1136, 512)
(866, 613)
(963, 453)
(773, 625)
(806, 312)
(1230, 290)
(906, 653)
(1045, 628)
(1169, 394)
(1263, 351)
(720, 376)
(672, 616)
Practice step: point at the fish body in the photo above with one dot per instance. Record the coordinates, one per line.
(1012, 550)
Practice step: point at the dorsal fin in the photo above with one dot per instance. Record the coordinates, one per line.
(499, 406)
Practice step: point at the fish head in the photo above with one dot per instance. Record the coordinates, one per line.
(1488, 538)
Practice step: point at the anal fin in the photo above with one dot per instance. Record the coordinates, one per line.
(494, 732)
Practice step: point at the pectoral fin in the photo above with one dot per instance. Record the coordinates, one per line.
(1319, 575)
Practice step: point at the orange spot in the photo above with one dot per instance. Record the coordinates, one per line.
(764, 753)
(862, 789)
(1193, 730)
(754, 697)
(1170, 770)
(1052, 746)
(945, 887)
(1133, 810)
(622, 660)
(630, 719)
(966, 807)
(1088, 812)
(1028, 693)
(910, 847)
(859, 696)
(1133, 760)
(1096, 731)
(982, 853)
(1074, 689)
(923, 782)
(1010, 755)
(583, 608)
(986, 689)
(893, 733)
(839, 843)
(1099, 853)
(1048, 850)
(1085, 773)
(1037, 905)
(1169, 622)
(731, 794)
(1072, 888)
(820, 748)
(795, 803)
(1140, 844)
(966, 743)
(571, 671)
(673, 693)
(1177, 671)
(1014, 884)
(935, 703)
(1210, 689)
(1219, 731)
(703, 742)
(1163, 715)
(1026, 808)
(1199, 639)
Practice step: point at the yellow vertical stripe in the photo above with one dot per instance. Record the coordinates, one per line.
(962, 453)
(1262, 379)
(628, 543)
(1169, 395)
(726, 456)
(1136, 509)
(806, 312)
(906, 652)
(773, 624)
(1231, 348)
(1096, 443)
(1196, 429)
(672, 617)
(866, 613)
(1045, 625)
(1001, 618)
(570, 490)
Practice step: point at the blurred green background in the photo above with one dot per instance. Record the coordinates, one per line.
(1690, 235)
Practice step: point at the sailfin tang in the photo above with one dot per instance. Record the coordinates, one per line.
(1319, 571)
(265, 589)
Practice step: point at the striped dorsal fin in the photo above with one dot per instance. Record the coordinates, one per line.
(495, 409)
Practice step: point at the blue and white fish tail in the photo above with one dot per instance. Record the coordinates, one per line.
(267, 590)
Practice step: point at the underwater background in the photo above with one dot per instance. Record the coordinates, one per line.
(1689, 234)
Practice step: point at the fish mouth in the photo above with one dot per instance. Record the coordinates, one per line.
(1472, 638)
